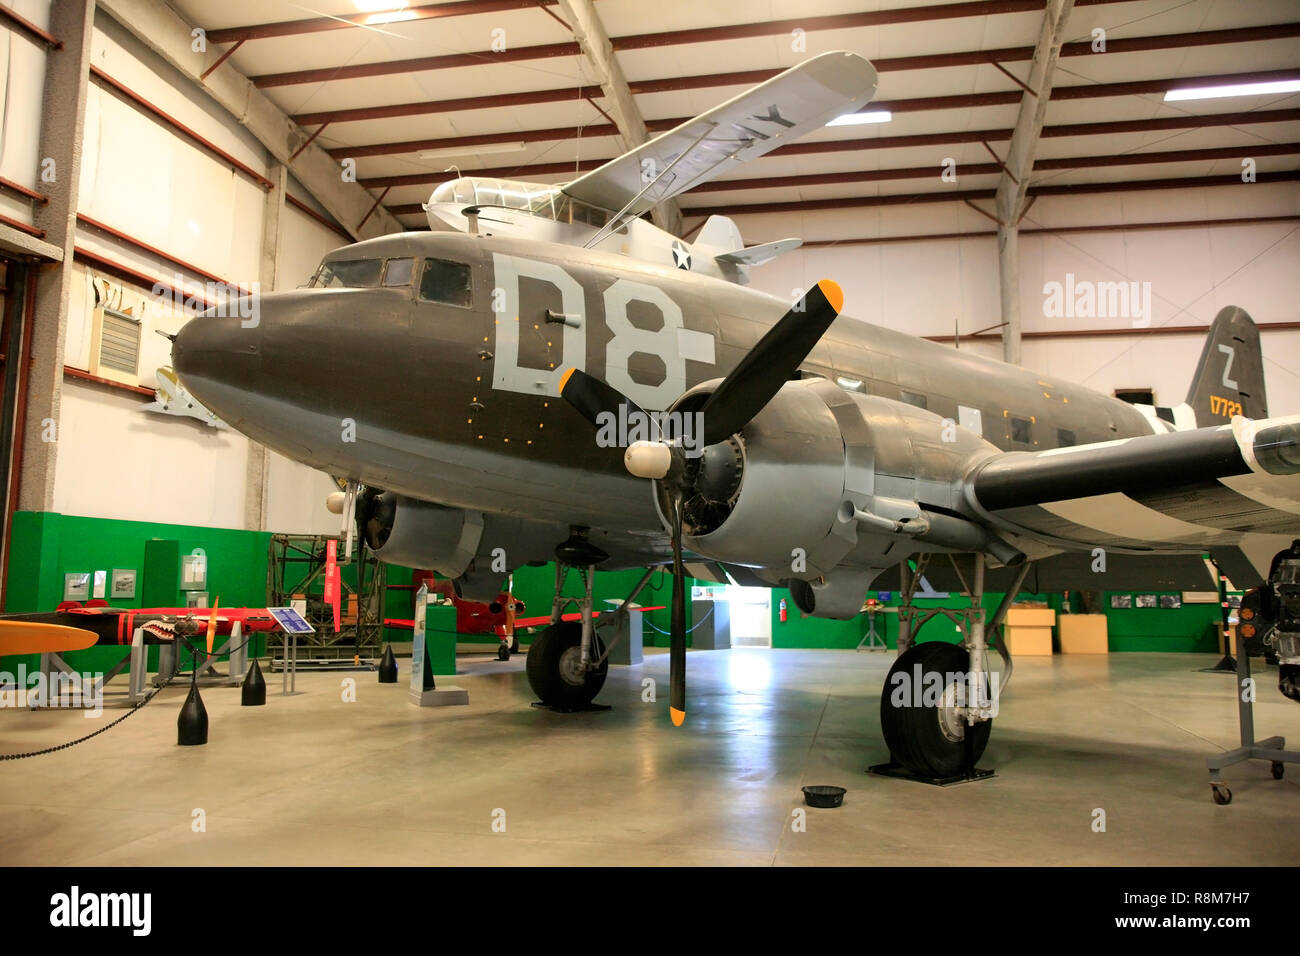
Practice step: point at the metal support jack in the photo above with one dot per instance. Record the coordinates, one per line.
(1270, 748)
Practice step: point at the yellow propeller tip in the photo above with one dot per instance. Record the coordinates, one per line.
(834, 294)
(564, 379)
(678, 716)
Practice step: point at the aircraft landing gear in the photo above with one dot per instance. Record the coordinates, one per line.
(555, 668)
(568, 662)
(939, 699)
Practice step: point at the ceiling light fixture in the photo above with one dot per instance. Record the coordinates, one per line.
(1236, 89)
(859, 119)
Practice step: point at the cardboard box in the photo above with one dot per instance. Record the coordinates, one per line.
(1084, 634)
(1029, 641)
(1030, 616)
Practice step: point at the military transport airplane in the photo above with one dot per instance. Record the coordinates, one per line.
(496, 399)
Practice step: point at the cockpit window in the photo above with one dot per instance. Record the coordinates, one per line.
(348, 274)
(447, 282)
(589, 214)
(399, 271)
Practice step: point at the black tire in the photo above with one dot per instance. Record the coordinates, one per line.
(1222, 795)
(547, 665)
(503, 652)
(915, 735)
(1279, 769)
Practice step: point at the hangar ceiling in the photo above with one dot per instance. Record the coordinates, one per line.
(411, 90)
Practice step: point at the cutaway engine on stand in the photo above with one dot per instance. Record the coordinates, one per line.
(1270, 613)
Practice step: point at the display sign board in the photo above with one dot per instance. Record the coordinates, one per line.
(290, 620)
(194, 572)
(417, 640)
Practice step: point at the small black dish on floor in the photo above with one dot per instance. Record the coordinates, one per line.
(825, 798)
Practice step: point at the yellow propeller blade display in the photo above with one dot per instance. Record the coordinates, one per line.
(25, 637)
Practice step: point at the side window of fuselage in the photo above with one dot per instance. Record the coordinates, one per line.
(447, 282)
(398, 272)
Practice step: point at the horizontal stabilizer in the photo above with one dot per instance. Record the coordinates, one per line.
(756, 255)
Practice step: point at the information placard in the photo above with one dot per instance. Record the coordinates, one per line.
(290, 620)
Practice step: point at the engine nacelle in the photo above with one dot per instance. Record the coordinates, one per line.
(822, 483)
(837, 595)
(419, 534)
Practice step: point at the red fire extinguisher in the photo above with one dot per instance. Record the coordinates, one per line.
(782, 610)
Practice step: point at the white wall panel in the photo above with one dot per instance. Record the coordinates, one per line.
(295, 500)
(22, 86)
(303, 243)
(116, 461)
(920, 287)
(145, 179)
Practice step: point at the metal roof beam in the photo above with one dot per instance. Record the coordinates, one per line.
(905, 199)
(1182, 121)
(924, 61)
(944, 11)
(1013, 185)
(843, 21)
(1173, 41)
(428, 11)
(880, 175)
(163, 31)
(590, 33)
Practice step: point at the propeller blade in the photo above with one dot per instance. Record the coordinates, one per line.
(770, 363)
(212, 625)
(590, 396)
(677, 642)
(32, 637)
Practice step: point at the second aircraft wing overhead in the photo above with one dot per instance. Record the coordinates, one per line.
(779, 111)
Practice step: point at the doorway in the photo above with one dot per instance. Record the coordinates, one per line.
(751, 616)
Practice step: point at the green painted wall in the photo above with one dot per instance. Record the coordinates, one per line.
(46, 545)
(1188, 629)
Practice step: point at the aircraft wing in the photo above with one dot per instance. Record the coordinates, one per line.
(1234, 487)
(782, 109)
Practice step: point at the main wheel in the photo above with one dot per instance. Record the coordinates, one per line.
(554, 667)
(924, 733)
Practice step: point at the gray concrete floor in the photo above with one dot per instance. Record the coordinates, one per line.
(311, 779)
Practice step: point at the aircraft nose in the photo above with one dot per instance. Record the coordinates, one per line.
(216, 355)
